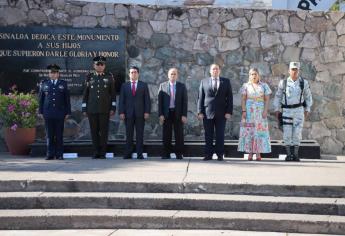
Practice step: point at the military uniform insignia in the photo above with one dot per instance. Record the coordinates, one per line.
(105, 80)
(61, 87)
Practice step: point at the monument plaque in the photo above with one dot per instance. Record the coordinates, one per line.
(25, 53)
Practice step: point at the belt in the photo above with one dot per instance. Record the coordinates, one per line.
(293, 105)
(258, 99)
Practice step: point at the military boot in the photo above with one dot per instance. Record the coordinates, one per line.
(288, 153)
(295, 153)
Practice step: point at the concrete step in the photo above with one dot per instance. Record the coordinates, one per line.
(168, 219)
(146, 232)
(309, 149)
(187, 187)
(172, 201)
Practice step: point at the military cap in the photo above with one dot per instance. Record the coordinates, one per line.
(53, 68)
(294, 65)
(99, 59)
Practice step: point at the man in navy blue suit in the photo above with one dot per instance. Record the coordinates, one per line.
(55, 106)
(214, 108)
(134, 109)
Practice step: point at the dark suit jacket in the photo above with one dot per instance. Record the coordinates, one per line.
(134, 106)
(54, 100)
(181, 100)
(215, 104)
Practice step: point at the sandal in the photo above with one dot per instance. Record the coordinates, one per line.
(250, 157)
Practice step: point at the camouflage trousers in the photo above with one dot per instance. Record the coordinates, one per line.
(293, 119)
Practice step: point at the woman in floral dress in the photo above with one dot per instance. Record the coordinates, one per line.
(254, 132)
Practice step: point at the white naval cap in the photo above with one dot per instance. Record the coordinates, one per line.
(294, 65)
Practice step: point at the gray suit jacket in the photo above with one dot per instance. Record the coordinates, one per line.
(181, 100)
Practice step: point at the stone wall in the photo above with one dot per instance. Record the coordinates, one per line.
(193, 38)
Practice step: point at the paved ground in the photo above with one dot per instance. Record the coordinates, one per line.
(153, 170)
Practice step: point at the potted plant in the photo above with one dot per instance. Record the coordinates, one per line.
(18, 113)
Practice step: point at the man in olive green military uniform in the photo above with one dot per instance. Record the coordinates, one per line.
(99, 102)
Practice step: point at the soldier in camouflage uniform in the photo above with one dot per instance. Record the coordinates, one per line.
(292, 104)
(99, 102)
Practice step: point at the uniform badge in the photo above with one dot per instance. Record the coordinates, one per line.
(61, 86)
(105, 80)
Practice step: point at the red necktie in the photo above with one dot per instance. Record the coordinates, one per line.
(133, 88)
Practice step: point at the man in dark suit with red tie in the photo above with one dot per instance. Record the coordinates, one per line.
(214, 108)
(134, 109)
(172, 112)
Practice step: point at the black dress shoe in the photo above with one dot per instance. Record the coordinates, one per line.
(166, 157)
(295, 158)
(140, 156)
(207, 158)
(50, 158)
(179, 156)
(59, 158)
(127, 157)
(289, 158)
(101, 157)
(96, 156)
(220, 158)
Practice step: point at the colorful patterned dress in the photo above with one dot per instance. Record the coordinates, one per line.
(254, 132)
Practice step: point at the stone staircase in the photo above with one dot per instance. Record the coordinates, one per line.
(38, 205)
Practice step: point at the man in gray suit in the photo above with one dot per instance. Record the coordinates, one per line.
(172, 112)
(134, 109)
(214, 108)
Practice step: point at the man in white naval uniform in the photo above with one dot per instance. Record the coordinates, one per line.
(292, 104)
